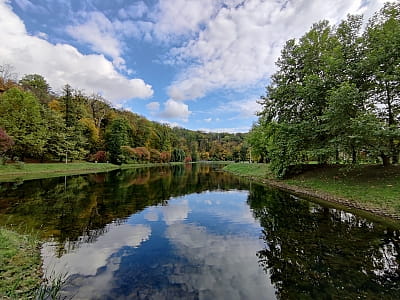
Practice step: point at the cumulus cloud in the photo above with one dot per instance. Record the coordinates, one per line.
(135, 10)
(217, 260)
(88, 258)
(236, 46)
(98, 31)
(175, 211)
(61, 63)
(244, 108)
(153, 107)
(175, 110)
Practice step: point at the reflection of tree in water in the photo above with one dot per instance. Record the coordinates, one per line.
(78, 208)
(312, 252)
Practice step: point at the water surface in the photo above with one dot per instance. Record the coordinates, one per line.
(193, 232)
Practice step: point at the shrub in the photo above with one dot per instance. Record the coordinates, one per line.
(99, 156)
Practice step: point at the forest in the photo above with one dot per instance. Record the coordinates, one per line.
(335, 96)
(37, 124)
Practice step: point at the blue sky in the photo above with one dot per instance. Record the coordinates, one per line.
(198, 64)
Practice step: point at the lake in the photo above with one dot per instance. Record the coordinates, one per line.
(195, 232)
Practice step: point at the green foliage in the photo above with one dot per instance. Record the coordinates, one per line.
(335, 95)
(116, 137)
(178, 155)
(19, 265)
(22, 119)
(76, 126)
(37, 85)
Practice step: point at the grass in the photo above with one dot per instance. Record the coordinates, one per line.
(247, 169)
(15, 172)
(373, 186)
(20, 262)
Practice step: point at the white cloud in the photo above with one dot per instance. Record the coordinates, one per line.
(136, 10)
(243, 129)
(180, 17)
(175, 110)
(238, 45)
(175, 211)
(153, 107)
(89, 257)
(244, 108)
(208, 120)
(217, 260)
(98, 31)
(61, 63)
(170, 124)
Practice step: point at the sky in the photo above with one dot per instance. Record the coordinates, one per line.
(197, 64)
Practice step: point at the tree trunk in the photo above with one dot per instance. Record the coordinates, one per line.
(353, 155)
(337, 156)
(385, 160)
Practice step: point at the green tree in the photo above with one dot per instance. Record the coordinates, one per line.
(117, 136)
(22, 119)
(38, 86)
(178, 155)
(382, 65)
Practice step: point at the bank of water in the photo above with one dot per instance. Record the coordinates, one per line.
(192, 231)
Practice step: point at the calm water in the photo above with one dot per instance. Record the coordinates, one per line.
(193, 232)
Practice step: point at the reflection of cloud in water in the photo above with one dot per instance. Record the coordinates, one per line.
(88, 258)
(227, 267)
(151, 215)
(229, 206)
(175, 211)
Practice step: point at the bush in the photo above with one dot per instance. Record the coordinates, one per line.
(99, 156)
(165, 157)
(155, 156)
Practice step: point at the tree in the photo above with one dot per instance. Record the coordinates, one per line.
(382, 64)
(22, 119)
(6, 143)
(117, 136)
(38, 86)
(178, 155)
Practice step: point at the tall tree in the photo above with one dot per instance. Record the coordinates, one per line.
(38, 86)
(117, 136)
(382, 64)
(22, 119)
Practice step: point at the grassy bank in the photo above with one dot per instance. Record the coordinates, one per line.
(21, 171)
(369, 187)
(20, 273)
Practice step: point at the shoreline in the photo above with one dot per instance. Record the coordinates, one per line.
(321, 196)
(31, 171)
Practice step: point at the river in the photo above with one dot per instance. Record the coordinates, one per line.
(195, 232)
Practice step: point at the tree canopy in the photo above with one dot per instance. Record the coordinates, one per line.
(335, 95)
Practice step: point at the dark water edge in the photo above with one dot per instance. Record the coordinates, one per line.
(194, 232)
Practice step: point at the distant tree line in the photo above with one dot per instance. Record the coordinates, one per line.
(335, 96)
(38, 124)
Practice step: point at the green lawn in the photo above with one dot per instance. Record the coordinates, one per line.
(247, 169)
(373, 186)
(21, 171)
(20, 273)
